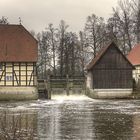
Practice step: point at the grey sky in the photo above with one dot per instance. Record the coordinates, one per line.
(37, 14)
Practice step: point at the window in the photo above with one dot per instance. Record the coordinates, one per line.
(9, 78)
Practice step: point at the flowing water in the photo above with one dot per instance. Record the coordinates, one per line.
(70, 118)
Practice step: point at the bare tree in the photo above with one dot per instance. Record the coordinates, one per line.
(62, 36)
(95, 33)
(83, 53)
(4, 20)
(120, 26)
(44, 62)
(53, 43)
(135, 5)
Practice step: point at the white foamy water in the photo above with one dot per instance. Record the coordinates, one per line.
(70, 97)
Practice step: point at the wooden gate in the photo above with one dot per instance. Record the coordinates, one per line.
(67, 83)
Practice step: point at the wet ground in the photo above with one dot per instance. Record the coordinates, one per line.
(71, 118)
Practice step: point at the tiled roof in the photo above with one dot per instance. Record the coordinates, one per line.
(17, 44)
(134, 55)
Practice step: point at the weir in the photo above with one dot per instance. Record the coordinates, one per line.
(61, 86)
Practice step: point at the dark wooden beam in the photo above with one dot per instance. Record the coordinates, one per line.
(26, 75)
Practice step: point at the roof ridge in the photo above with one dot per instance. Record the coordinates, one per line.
(101, 53)
(98, 56)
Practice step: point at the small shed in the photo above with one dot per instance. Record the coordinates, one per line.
(109, 74)
(134, 58)
(18, 58)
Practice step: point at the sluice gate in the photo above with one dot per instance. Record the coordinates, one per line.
(56, 85)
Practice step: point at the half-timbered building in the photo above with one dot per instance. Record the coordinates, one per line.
(110, 73)
(134, 58)
(18, 57)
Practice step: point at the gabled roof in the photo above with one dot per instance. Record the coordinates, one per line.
(17, 44)
(101, 53)
(134, 55)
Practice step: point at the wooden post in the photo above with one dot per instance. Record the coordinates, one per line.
(20, 122)
(48, 86)
(85, 85)
(67, 82)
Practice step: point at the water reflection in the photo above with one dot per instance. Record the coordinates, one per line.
(66, 121)
(111, 125)
(81, 119)
(18, 125)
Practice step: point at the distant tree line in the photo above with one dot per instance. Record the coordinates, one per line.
(62, 52)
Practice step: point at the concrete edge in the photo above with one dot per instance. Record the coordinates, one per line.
(94, 95)
(18, 97)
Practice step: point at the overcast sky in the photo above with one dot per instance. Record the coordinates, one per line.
(37, 14)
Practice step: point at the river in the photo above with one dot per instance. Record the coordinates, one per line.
(70, 118)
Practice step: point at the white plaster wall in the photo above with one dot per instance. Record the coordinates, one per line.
(89, 82)
(9, 73)
(136, 73)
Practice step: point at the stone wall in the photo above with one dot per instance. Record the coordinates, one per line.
(18, 93)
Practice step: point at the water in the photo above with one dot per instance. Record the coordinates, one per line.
(70, 118)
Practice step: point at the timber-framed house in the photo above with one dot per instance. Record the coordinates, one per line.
(18, 57)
